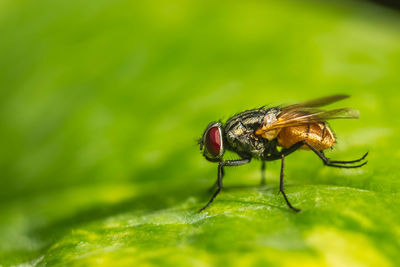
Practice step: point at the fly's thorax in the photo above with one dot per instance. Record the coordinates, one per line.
(249, 119)
(239, 131)
(244, 124)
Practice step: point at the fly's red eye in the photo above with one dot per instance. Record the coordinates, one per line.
(213, 141)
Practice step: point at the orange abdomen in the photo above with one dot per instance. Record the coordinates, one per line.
(319, 135)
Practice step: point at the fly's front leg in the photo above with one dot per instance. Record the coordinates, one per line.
(220, 176)
(281, 188)
(216, 182)
(337, 163)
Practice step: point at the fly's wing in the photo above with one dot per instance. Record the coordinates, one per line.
(306, 115)
(319, 102)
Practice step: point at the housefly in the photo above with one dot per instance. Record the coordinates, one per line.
(273, 133)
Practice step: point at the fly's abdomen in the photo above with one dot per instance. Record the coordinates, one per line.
(319, 135)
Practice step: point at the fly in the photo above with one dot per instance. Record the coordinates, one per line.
(269, 134)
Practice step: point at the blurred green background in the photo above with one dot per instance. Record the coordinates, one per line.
(102, 103)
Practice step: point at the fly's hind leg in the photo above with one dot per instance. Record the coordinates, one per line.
(220, 176)
(337, 163)
(328, 162)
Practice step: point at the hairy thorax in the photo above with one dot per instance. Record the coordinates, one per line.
(240, 133)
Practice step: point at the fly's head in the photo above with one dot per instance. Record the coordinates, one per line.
(212, 142)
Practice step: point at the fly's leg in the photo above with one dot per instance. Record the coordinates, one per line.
(281, 189)
(220, 175)
(328, 162)
(262, 173)
(216, 182)
(347, 161)
(336, 163)
(285, 151)
(281, 155)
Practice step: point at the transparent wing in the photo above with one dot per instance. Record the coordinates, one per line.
(319, 102)
(303, 116)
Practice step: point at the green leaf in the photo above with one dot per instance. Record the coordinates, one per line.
(102, 103)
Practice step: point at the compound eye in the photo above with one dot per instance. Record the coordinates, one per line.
(213, 141)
